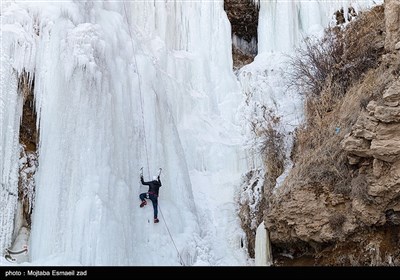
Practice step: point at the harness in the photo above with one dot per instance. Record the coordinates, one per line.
(153, 193)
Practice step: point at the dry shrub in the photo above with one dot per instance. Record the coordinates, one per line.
(314, 63)
(336, 221)
(316, 109)
(340, 57)
(272, 148)
(362, 45)
(360, 94)
(274, 152)
(317, 152)
(327, 166)
(325, 70)
(359, 188)
(364, 40)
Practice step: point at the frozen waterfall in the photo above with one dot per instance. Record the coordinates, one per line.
(123, 84)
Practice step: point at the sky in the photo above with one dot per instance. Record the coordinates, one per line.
(123, 85)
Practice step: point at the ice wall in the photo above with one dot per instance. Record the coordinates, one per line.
(190, 46)
(10, 111)
(192, 53)
(118, 86)
(103, 115)
(17, 53)
(92, 140)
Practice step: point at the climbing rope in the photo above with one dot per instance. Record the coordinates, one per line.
(140, 89)
(170, 235)
(144, 130)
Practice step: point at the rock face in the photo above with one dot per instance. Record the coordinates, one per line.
(310, 217)
(28, 138)
(376, 137)
(392, 15)
(340, 203)
(376, 133)
(243, 16)
(251, 205)
(316, 223)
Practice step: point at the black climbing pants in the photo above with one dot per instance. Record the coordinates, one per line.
(154, 200)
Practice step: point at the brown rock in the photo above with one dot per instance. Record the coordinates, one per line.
(371, 107)
(388, 186)
(391, 104)
(363, 133)
(386, 145)
(335, 199)
(367, 213)
(243, 16)
(377, 189)
(365, 127)
(397, 46)
(305, 213)
(377, 166)
(392, 94)
(357, 146)
(392, 23)
(387, 114)
(353, 159)
(285, 216)
(388, 131)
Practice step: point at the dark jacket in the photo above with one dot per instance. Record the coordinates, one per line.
(154, 186)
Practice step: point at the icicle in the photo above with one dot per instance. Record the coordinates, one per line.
(263, 253)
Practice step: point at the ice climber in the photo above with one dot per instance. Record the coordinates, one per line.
(151, 194)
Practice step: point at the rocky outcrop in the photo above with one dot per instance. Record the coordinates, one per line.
(376, 136)
(309, 216)
(376, 133)
(243, 15)
(317, 222)
(392, 15)
(340, 204)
